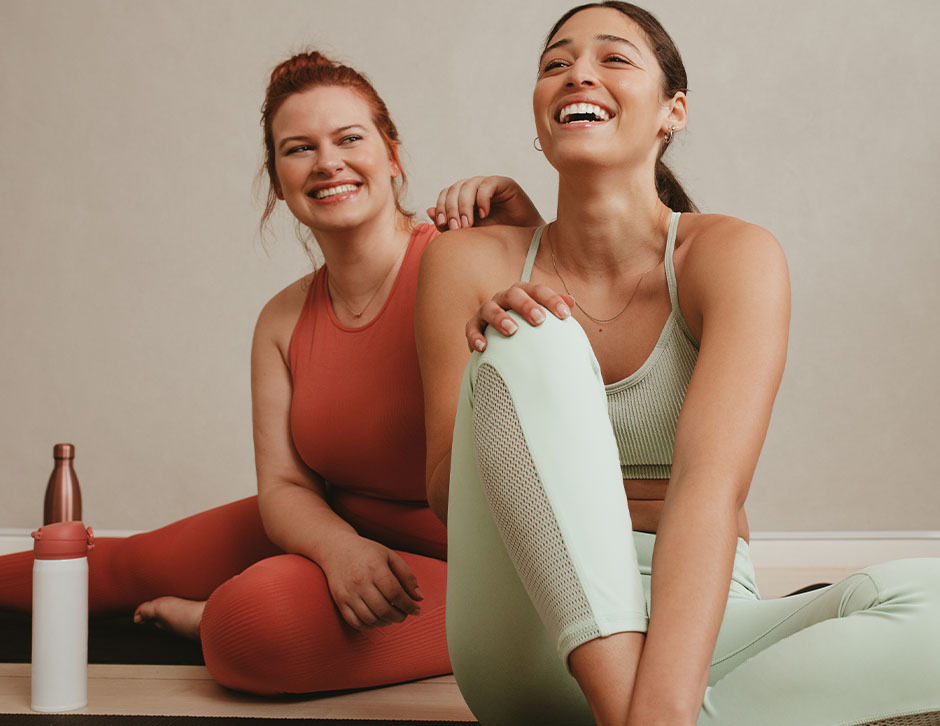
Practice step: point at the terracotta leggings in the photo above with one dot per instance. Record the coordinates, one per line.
(541, 559)
(270, 625)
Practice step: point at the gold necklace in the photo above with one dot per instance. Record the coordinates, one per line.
(329, 282)
(551, 250)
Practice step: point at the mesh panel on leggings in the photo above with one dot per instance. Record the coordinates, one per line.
(914, 719)
(523, 515)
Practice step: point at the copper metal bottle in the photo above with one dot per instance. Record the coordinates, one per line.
(63, 497)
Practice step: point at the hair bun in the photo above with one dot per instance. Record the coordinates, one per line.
(301, 62)
(315, 57)
(311, 69)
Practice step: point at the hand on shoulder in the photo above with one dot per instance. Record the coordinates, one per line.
(476, 258)
(481, 201)
(485, 257)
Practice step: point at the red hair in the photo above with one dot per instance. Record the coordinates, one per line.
(308, 70)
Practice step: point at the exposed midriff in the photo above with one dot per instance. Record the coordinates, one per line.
(645, 498)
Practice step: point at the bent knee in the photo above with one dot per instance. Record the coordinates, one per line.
(554, 353)
(910, 586)
(260, 630)
(914, 577)
(548, 334)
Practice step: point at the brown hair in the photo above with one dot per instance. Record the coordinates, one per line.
(674, 80)
(307, 70)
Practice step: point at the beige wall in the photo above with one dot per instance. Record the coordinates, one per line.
(131, 271)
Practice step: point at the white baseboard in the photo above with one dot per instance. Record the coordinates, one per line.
(840, 549)
(768, 549)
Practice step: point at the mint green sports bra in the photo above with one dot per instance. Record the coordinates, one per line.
(644, 407)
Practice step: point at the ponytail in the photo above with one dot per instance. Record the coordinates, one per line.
(670, 190)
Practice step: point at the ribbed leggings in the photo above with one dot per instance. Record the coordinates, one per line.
(541, 560)
(270, 625)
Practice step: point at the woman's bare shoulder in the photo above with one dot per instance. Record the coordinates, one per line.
(280, 314)
(718, 253)
(709, 243)
(482, 245)
(478, 255)
(720, 233)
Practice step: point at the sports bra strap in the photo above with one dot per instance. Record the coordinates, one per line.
(533, 250)
(670, 264)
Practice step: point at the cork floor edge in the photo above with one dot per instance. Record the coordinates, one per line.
(142, 690)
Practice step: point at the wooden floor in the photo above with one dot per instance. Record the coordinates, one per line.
(190, 691)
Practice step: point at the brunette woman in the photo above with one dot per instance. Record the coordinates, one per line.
(643, 407)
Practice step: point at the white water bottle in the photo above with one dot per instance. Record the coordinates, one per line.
(60, 617)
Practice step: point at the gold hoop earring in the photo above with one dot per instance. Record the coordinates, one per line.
(535, 143)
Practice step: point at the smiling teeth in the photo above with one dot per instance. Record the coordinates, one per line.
(333, 191)
(582, 109)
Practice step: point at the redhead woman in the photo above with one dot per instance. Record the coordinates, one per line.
(333, 576)
(592, 461)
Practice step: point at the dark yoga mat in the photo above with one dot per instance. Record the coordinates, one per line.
(117, 639)
(39, 719)
(113, 639)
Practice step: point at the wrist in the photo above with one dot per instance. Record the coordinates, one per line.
(326, 547)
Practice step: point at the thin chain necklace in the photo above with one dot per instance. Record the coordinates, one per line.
(551, 250)
(329, 282)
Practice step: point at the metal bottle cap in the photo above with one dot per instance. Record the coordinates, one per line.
(63, 451)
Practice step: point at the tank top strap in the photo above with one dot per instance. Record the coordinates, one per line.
(533, 250)
(670, 263)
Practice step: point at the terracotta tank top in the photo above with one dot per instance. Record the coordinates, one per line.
(357, 411)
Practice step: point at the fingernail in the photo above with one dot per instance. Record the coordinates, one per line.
(419, 594)
(453, 224)
(479, 345)
(464, 222)
(563, 310)
(509, 327)
(481, 213)
(441, 219)
(538, 316)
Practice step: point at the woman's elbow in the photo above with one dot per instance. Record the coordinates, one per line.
(437, 494)
(438, 505)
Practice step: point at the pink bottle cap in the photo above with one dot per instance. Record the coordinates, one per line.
(62, 541)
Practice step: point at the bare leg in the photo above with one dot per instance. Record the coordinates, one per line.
(174, 614)
(605, 669)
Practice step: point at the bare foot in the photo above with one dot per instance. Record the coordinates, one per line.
(173, 613)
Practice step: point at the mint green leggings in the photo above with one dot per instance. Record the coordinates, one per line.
(541, 559)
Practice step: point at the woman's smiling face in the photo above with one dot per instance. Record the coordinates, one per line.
(334, 169)
(598, 97)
